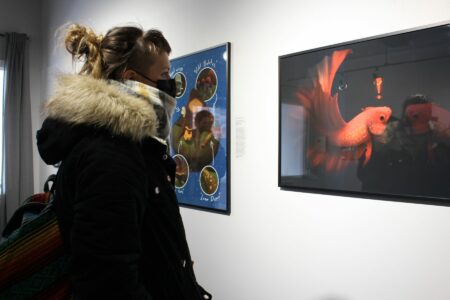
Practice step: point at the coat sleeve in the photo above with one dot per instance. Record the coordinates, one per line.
(105, 238)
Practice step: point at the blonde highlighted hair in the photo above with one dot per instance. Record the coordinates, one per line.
(121, 48)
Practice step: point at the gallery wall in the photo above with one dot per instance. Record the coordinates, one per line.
(280, 244)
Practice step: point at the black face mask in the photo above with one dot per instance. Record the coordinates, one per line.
(167, 86)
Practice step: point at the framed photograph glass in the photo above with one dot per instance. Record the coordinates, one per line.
(199, 136)
(369, 117)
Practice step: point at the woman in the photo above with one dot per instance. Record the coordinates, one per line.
(115, 198)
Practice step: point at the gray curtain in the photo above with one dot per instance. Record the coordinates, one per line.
(17, 158)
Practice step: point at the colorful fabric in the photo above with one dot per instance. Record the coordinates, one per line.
(33, 264)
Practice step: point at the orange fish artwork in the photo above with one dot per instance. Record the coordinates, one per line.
(353, 138)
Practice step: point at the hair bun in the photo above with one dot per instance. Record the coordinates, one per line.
(82, 42)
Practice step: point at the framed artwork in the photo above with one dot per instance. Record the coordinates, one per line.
(199, 136)
(369, 118)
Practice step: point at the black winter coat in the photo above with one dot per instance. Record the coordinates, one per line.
(115, 199)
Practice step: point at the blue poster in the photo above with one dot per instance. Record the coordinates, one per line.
(199, 129)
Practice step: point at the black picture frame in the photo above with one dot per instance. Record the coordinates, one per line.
(203, 99)
(413, 65)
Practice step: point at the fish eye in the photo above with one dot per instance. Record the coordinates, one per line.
(382, 118)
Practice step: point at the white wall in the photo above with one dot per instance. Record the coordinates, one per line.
(278, 244)
(24, 16)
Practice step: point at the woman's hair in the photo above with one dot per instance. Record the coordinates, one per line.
(121, 48)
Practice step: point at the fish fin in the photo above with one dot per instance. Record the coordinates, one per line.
(320, 104)
(327, 70)
(316, 158)
(305, 99)
(343, 162)
(331, 162)
(368, 153)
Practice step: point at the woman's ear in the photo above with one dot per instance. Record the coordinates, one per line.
(129, 75)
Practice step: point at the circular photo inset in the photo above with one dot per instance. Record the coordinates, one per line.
(209, 180)
(180, 82)
(181, 171)
(206, 83)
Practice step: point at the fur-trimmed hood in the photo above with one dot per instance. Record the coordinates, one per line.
(81, 99)
(82, 103)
